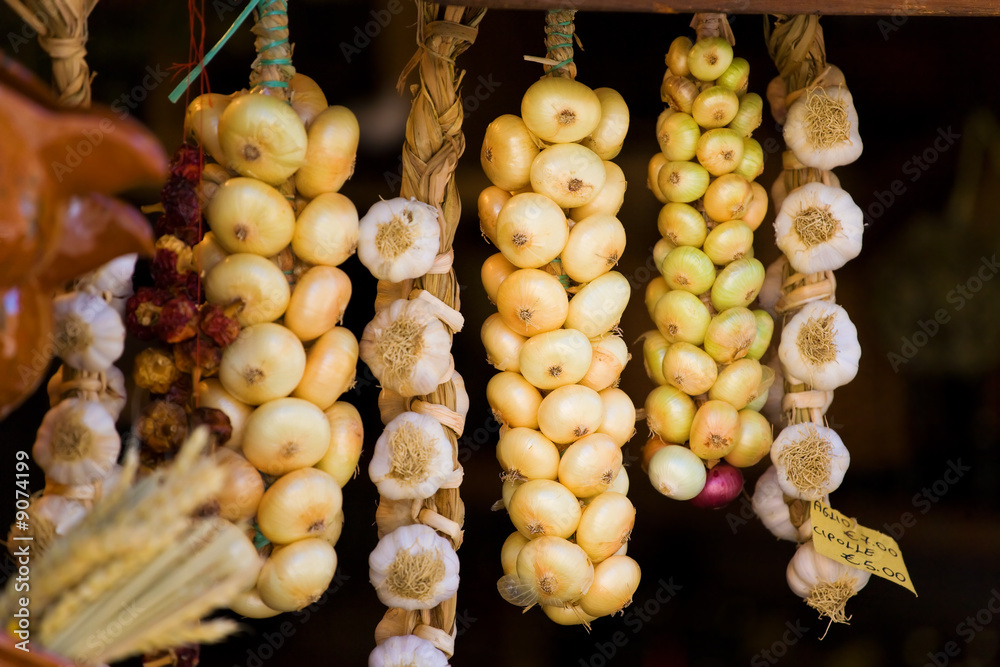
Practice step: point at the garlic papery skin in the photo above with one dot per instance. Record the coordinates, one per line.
(502, 344)
(606, 525)
(304, 503)
(541, 507)
(111, 394)
(326, 230)
(811, 460)
(262, 137)
(408, 348)
(526, 454)
(412, 458)
(211, 394)
(571, 175)
(555, 570)
(595, 245)
(285, 434)
(560, 110)
(77, 442)
(330, 152)
(347, 436)
(819, 346)
(247, 215)
(507, 153)
(318, 302)
(399, 239)
(252, 282)
(819, 228)
(413, 568)
(531, 230)
(769, 505)
(88, 333)
(265, 362)
(331, 364)
(406, 651)
(825, 584)
(608, 137)
(599, 305)
(616, 580)
(296, 575)
(609, 358)
(822, 128)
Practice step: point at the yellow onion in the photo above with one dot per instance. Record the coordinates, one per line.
(503, 345)
(681, 317)
(489, 203)
(655, 166)
(738, 284)
(249, 605)
(683, 181)
(605, 526)
(284, 435)
(532, 302)
(610, 354)
(307, 97)
(752, 164)
(330, 154)
(509, 551)
(301, 504)
(619, 416)
(569, 413)
(709, 58)
(243, 487)
(753, 440)
(677, 472)
(669, 413)
(689, 368)
(763, 394)
(714, 430)
(513, 400)
(318, 302)
(594, 247)
(737, 383)
(571, 175)
(531, 230)
(609, 198)
(682, 224)
(599, 305)
(326, 231)
(754, 215)
(207, 254)
(678, 134)
(559, 110)
(495, 269)
(556, 571)
(297, 575)
(765, 329)
(655, 289)
(720, 151)
(750, 114)
(730, 334)
(715, 107)
(201, 121)
(346, 440)
(265, 362)
(211, 394)
(688, 269)
(330, 368)
(677, 56)
(262, 137)
(510, 485)
(555, 358)
(608, 137)
(654, 347)
(728, 197)
(253, 283)
(736, 77)
(590, 464)
(616, 580)
(572, 615)
(248, 215)
(542, 507)
(526, 454)
(661, 249)
(728, 241)
(507, 153)
(679, 92)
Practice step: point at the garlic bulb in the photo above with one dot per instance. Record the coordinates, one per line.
(819, 228)
(819, 346)
(77, 442)
(412, 458)
(825, 584)
(52, 516)
(413, 568)
(89, 334)
(406, 651)
(113, 279)
(399, 239)
(408, 348)
(822, 128)
(811, 460)
(770, 507)
(111, 393)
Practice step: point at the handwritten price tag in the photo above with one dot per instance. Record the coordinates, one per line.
(845, 541)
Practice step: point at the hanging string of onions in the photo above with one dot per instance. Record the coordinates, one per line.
(706, 351)
(818, 228)
(551, 213)
(406, 243)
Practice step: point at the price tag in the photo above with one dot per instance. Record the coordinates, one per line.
(846, 541)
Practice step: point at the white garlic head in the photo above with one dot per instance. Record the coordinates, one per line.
(819, 228)
(810, 460)
(819, 346)
(77, 442)
(406, 651)
(89, 334)
(822, 128)
(413, 568)
(399, 239)
(412, 458)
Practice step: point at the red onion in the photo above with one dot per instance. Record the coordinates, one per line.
(722, 484)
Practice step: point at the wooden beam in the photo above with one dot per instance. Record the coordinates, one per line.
(831, 7)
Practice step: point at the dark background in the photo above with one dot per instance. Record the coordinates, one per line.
(911, 77)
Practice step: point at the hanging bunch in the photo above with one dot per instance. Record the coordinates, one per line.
(406, 243)
(706, 351)
(246, 314)
(818, 228)
(551, 213)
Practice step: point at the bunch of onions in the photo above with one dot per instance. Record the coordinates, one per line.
(709, 340)
(819, 229)
(279, 230)
(551, 212)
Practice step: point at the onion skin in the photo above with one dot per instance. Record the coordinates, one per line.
(723, 484)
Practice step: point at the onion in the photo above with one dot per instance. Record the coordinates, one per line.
(677, 472)
(503, 346)
(253, 282)
(569, 413)
(590, 464)
(723, 484)
(619, 415)
(243, 487)
(296, 575)
(542, 507)
(318, 302)
(556, 358)
(495, 270)
(284, 435)
(531, 230)
(346, 439)
(304, 503)
(211, 394)
(267, 361)
(527, 454)
(326, 231)
(507, 153)
(490, 201)
(532, 302)
(331, 363)
(513, 399)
